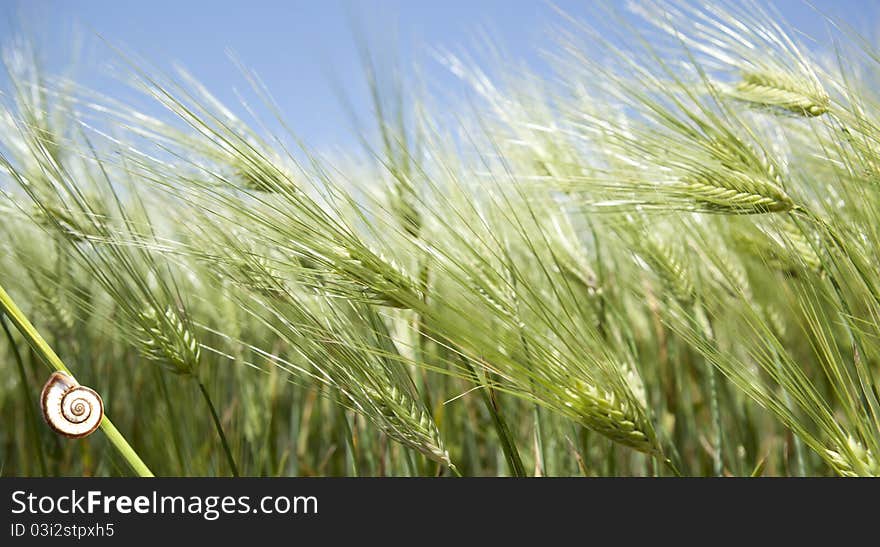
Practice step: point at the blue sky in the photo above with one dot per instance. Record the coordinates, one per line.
(299, 48)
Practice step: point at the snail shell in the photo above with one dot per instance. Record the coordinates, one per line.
(70, 409)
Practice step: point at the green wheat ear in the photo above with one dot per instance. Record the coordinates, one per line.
(167, 339)
(729, 191)
(605, 412)
(75, 228)
(406, 420)
(263, 177)
(853, 460)
(782, 91)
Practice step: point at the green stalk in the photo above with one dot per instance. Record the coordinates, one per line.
(410, 462)
(32, 419)
(712, 388)
(540, 469)
(715, 410)
(175, 429)
(798, 444)
(508, 446)
(348, 437)
(540, 466)
(219, 429)
(36, 341)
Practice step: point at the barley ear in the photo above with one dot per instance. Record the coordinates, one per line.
(405, 420)
(610, 415)
(166, 338)
(736, 192)
(853, 460)
(782, 91)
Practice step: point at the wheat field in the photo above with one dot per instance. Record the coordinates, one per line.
(660, 261)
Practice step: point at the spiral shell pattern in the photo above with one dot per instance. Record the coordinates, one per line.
(70, 409)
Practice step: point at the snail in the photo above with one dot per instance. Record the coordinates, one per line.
(70, 409)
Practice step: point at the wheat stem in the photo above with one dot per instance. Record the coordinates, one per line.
(31, 405)
(39, 345)
(348, 437)
(174, 424)
(508, 445)
(702, 323)
(219, 427)
(798, 444)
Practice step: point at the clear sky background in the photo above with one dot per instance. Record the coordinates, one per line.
(299, 48)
